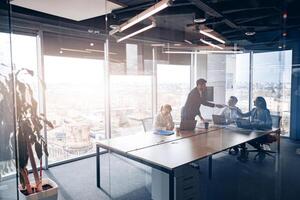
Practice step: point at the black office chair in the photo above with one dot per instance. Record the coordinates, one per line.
(261, 153)
(147, 124)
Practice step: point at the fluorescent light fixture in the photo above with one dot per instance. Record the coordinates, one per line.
(200, 20)
(137, 32)
(202, 52)
(99, 51)
(212, 36)
(211, 44)
(142, 16)
(74, 50)
(177, 45)
(187, 41)
(157, 45)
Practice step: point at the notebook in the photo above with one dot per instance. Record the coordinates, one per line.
(164, 132)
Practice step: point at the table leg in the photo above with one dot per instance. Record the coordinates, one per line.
(98, 166)
(277, 161)
(278, 142)
(210, 167)
(171, 185)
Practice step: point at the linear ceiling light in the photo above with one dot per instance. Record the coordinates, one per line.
(187, 41)
(142, 16)
(212, 36)
(211, 44)
(74, 50)
(137, 32)
(99, 51)
(202, 52)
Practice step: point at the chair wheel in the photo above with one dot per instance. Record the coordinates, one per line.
(233, 151)
(244, 156)
(261, 156)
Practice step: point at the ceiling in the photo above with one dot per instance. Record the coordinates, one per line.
(230, 19)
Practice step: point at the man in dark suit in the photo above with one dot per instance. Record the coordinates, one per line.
(196, 98)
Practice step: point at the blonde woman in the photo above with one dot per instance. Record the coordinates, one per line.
(164, 120)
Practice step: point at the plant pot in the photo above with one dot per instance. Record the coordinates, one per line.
(49, 194)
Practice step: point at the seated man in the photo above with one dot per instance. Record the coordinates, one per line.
(231, 111)
(260, 118)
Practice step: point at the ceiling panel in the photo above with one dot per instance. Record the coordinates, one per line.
(71, 9)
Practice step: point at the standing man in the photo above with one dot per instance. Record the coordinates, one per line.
(195, 99)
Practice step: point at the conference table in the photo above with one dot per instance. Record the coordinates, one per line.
(168, 153)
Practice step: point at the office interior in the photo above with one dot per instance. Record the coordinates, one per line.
(101, 67)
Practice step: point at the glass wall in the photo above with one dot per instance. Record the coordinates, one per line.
(74, 97)
(272, 80)
(130, 84)
(8, 182)
(237, 79)
(173, 86)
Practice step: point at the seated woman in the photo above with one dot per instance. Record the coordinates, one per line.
(164, 120)
(260, 118)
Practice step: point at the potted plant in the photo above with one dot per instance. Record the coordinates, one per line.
(7, 164)
(31, 144)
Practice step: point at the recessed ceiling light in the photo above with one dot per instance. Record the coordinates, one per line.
(113, 26)
(284, 34)
(285, 15)
(250, 33)
(91, 44)
(199, 20)
(61, 52)
(279, 47)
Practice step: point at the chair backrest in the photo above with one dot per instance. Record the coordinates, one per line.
(147, 124)
(276, 120)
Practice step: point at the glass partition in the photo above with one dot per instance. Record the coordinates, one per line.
(130, 88)
(8, 182)
(173, 86)
(74, 76)
(237, 79)
(272, 80)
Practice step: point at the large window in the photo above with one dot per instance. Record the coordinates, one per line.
(7, 148)
(130, 89)
(75, 105)
(173, 86)
(21, 61)
(237, 79)
(131, 101)
(272, 80)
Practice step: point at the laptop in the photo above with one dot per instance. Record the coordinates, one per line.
(188, 125)
(244, 123)
(219, 120)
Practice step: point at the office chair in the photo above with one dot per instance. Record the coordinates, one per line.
(147, 124)
(261, 153)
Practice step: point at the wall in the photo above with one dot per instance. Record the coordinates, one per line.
(295, 101)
